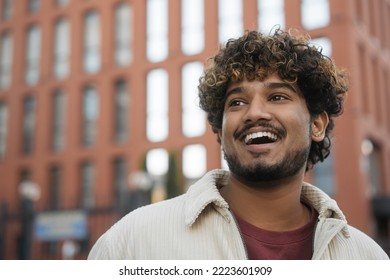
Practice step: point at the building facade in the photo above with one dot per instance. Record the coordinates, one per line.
(92, 92)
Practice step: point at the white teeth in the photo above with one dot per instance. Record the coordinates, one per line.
(254, 135)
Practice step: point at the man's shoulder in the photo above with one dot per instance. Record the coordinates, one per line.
(141, 225)
(359, 237)
(169, 207)
(166, 222)
(364, 245)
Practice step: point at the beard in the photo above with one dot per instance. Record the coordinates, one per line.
(289, 166)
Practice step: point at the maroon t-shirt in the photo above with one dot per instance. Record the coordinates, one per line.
(270, 245)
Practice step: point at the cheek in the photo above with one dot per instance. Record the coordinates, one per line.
(300, 126)
(226, 126)
(227, 131)
(221, 133)
(305, 130)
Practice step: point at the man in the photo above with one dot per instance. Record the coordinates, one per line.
(271, 101)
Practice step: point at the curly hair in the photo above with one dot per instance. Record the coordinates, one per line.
(254, 56)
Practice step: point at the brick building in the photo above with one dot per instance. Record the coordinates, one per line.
(92, 91)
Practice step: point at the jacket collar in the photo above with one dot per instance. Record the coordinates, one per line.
(326, 207)
(205, 192)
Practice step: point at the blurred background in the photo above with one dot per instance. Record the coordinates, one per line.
(99, 115)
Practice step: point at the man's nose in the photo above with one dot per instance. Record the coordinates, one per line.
(257, 110)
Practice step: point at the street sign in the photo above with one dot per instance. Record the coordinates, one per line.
(61, 225)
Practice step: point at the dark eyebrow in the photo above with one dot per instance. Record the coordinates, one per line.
(270, 85)
(275, 85)
(235, 90)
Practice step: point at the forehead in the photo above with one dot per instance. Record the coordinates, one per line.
(269, 82)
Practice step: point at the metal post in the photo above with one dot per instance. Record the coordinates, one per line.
(140, 189)
(27, 219)
(29, 193)
(3, 226)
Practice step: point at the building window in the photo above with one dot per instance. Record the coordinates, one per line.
(387, 24)
(323, 175)
(6, 11)
(386, 81)
(123, 34)
(58, 120)
(230, 16)
(323, 43)
(359, 10)
(192, 26)
(157, 30)
(193, 118)
(25, 175)
(87, 185)
(372, 166)
(120, 184)
(363, 74)
(28, 127)
(157, 162)
(33, 55)
(61, 3)
(122, 104)
(157, 105)
(3, 128)
(55, 187)
(90, 115)
(384, 21)
(378, 100)
(271, 15)
(6, 55)
(61, 49)
(372, 18)
(194, 162)
(375, 170)
(92, 42)
(315, 14)
(33, 5)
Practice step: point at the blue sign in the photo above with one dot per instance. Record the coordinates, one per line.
(61, 225)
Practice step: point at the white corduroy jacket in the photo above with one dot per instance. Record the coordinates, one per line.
(199, 225)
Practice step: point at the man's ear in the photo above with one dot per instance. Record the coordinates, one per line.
(319, 125)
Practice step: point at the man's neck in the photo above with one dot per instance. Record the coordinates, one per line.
(274, 206)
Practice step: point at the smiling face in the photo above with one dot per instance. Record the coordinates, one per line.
(267, 129)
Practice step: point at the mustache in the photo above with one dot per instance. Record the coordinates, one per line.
(263, 124)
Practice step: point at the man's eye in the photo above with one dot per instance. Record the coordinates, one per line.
(278, 97)
(235, 103)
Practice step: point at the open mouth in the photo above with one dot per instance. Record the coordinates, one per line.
(256, 138)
